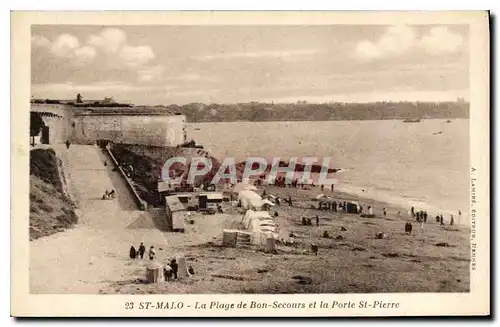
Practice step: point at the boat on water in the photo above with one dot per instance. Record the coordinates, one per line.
(409, 120)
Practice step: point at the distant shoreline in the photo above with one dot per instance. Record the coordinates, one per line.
(308, 121)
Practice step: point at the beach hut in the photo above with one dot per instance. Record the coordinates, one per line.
(229, 237)
(154, 273)
(175, 212)
(209, 199)
(352, 207)
(182, 271)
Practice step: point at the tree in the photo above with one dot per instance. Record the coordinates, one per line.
(36, 124)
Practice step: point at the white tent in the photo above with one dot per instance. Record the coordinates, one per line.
(250, 200)
(242, 187)
(261, 226)
(322, 197)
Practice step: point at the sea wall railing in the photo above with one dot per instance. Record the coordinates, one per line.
(141, 204)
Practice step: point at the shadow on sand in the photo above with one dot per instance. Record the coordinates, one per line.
(154, 218)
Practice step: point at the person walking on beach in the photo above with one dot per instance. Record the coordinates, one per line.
(175, 268)
(317, 220)
(441, 220)
(322, 187)
(67, 144)
(417, 216)
(425, 216)
(459, 216)
(142, 250)
(132, 252)
(451, 220)
(290, 200)
(413, 211)
(385, 212)
(334, 206)
(152, 253)
(332, 187)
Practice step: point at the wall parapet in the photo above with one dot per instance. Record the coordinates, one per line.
(141, 204)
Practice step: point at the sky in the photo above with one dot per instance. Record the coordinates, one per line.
(162, 65)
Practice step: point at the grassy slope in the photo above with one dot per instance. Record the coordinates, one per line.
(50, 210)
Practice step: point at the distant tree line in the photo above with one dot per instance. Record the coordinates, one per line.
(258, 111)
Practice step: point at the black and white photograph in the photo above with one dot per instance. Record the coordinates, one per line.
(264, 159)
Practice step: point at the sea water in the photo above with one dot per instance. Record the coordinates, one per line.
(424, 164)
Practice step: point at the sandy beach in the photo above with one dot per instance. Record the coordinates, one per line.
(356, 263)
(93, 257)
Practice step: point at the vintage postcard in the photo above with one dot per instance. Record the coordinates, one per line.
(252, 164)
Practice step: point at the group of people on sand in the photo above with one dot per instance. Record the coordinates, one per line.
(170, 270)
(421, 217)
(308, 221)
(135, 254)
(282, 182)
(109, 194)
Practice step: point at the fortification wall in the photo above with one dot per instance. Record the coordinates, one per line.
(157, 130)
(149, 130)
(57, 117)
(58, 131)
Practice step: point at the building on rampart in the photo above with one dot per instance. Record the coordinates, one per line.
(129, 125)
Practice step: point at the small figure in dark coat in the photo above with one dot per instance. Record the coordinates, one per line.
(67, 144)
(175, 268)
(408, 228)
(142, 250)
(441, 220)
(317, 220)
(132, 252)
(314, 249)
